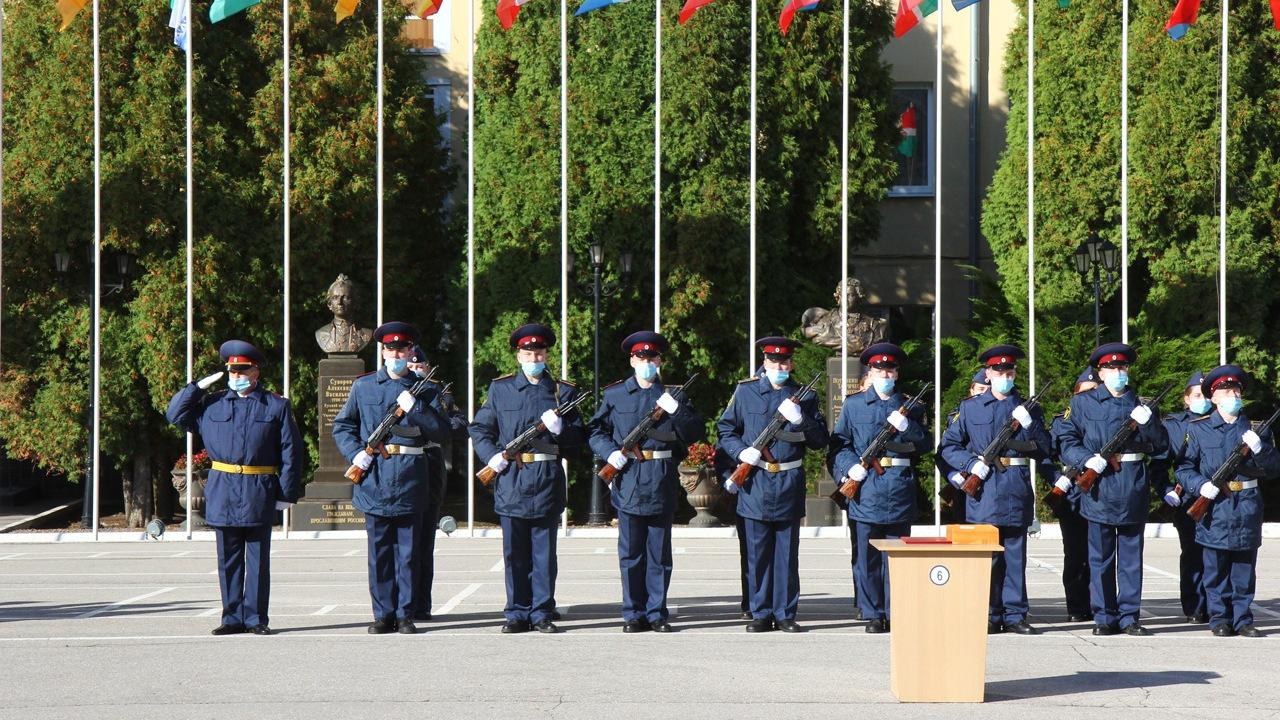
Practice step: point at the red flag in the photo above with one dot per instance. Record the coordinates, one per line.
(790, 10)
(1275, 13)
(1183, 17)
(691, 7)
(507, 12)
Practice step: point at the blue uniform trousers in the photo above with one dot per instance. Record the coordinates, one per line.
(1229, 582)
(391, 566)
(1008, 603)
(244, 573)
(870, 575)
(853, 559)
(424, 551)
(1190, 567)
(644, 559)
(1075, 558)
(529, 554)
(773, 567)
(740, 524)
(1115, 573)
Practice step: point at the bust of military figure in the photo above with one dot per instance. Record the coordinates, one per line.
(823, 326)
(342, 335)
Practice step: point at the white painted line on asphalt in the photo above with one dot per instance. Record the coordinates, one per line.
(352, 553)
(456, 600)
(210, 612)
(497, 567)
(98, 555)
(184, 553)
(679, 550)
(325, 610)
(1160, 572)
(11, 556)
(122, 603)
(601, 551)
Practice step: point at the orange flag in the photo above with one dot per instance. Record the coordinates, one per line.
(69, 10)
(344, 8)
(427, 8)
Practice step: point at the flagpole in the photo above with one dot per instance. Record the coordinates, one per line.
(287, 208)
(564, 220)
(97, 265)
(1031, 193)
(937, 262)
(378, 169)
(190, 193)
(751, 285)
(1, 185)
(657, 165)
(1222, 196)
(471, 259)
(1124, 173)
(844, 213)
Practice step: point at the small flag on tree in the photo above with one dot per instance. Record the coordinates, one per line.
(789, 12)
(691, 7)
(69, 9)
(425, 8)
(1064, 4)
(1183, 17)
(910, 13)
(590, 5)
(907, 126)
(222, 9)
(507, 12)
(343, 9)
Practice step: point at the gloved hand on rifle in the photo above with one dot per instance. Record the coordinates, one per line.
(1063, 483)
(1254, 442)
(956, 479)
(1022, 416)
(857, 473)
(498, 463)
(617, 459)
(898, 421)
(406, 400)
(1097, 463)
(981, 469)
(668, 404)
(791, 412)
(749, 455)
(1172, 499)
(1209, 491)
(553, 422)
(362, 460)
(1141, 414)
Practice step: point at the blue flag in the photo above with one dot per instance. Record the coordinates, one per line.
(962, 4)
(590, 5)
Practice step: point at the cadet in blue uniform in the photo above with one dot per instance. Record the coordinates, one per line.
(433, 496)
(529, 495)
(948, 493)
(258, 457)
(644, 489)
(1005, 498)
(1191, 558)
(1075, 529)
(771, 502)
(392, 492)
(1231, 531)
(1116, 506)
(885, 504)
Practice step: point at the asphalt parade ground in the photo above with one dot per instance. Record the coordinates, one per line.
(121, 630)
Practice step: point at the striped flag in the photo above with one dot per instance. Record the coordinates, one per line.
(590, 5)
(343, 9)
(507, 12)
(907, 126)
(69, 9)
(789, 12)
(910, 13)
(222, 9)
(425, 8)
(180, 21)
(691, 7)
(1183, 17)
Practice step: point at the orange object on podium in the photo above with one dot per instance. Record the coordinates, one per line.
(938, 617)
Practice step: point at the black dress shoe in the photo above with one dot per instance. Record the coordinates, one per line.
(555, 615)
(406, 627)
(1199, 618)
(1137, 630)
(994, 628)
(746, 615)
(878, 625)
(1223, 631)
(516, 626)
(1249, 631)
(790, 626)
(1079, 617)
(661, 626)
(260, 629)
(422, 616)
(1022, 627)
(635, 626)
(229, 630)
(1106, 630)
(546, 626)
(382, 626)
(761, 625)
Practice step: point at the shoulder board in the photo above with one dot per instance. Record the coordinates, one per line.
(508, 376)
(1062, 414)
(606, 387)
(1201, 419)
(371, 372)
(562, 381)
(951, 416)
(971, 397)
(1066, 414)
(747, 380)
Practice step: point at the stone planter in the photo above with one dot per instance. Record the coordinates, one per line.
(199, 478)
(704, 494)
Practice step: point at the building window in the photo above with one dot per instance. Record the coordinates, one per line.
(430, 35)
(912, 107)
(438, 92)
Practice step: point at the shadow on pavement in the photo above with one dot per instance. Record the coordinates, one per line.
(1084, 682)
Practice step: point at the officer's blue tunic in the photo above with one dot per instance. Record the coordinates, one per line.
(1006, 498)
(885, 504)
(1191, 556)
(771, 504)
(391, 494)
(1231, 532)
(1117, 505)
(257, 429)
(644, 493)
(1075, 533)
(527, 497)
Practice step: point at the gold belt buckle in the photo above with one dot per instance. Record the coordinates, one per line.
(238, 469)
(1235, 486)
(526, 457)
(772, 467)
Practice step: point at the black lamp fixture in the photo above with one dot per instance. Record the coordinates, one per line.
(1094, 257)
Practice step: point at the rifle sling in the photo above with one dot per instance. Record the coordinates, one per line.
(900, 447)
(1022, 446)
(661, 435)
(410, 431)
(790, 437)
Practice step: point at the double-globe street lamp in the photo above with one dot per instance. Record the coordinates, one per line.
(1096, 257)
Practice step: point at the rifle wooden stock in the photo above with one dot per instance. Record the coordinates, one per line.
(1086, 479)
(850, 488)
(971, 484)
(486, 475)
(1198, 508)
(947, 494)
(839, 499)
(607, 472)
(740, 473)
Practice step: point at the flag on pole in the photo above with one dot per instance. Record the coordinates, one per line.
(507, 12)
(425, 8)
(1064, 4)
(222, 9)
(69, 10)
(180, 21)
(791, 8)
(344, 8)
(590, 5)
(1275, 13)
(691, 7)
(907, 126)
(962, 4)
(910, 13)
(1183, 17)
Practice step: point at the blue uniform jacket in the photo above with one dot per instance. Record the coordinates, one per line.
(257, 429)
(649, 487)
(395, 485)
(882, 499)
(1117, 498)
(534, 490)
(1234, 522)
(1163, 467)
(1057, 427)
(774, 497)
(1005, 497)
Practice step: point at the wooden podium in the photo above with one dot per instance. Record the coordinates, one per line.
(938, 619)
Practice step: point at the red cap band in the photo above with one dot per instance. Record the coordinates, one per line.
(1224, 380)
(529, 339)
(1001, 360)
(392, 337)
(241, 360)
(1116, 357)
(882, 358)
(639, 347)
(777, 350)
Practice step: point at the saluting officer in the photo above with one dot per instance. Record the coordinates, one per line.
(885, 504)
(1231, 531)
(257, 461)
(644, 489)
(771, 502)
(393, 490)
(1116, 505)
(1191, 592)
(1075, 529)
(433, 491)
(529, 495)
(1005, 498)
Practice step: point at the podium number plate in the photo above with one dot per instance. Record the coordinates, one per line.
(939, 575)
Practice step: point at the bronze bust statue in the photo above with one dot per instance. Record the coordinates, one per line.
(342, 335)
(823, 326)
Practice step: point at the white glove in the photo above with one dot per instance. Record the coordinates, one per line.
(749, 455)
(1208, 491)
(1171, 499)
(282, 505)
(668, 403)
(1141, 414)
(980, 469)
(956, 479)
(791, 411)
(898, 421)
(1022, 416)
(1097, 463)
(1254, 442)
(406, 400)
(554, 422)
(362, 460)
(1063, 483)
(857, 473)
(206, 382)
(731, 487)
(617, 460)
(498, 463)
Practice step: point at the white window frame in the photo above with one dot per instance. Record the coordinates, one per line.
(929, 189)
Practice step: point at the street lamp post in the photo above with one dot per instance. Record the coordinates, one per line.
(598, 515)
(1095, 257)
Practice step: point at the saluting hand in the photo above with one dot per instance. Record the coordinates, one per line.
(205, 383)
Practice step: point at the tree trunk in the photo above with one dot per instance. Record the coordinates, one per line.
(137, 492)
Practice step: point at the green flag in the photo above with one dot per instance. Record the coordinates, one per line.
(1064, 4)
(223, 9)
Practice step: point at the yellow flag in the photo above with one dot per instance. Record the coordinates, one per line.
(425, 8)
(344, 8)
(69, 10)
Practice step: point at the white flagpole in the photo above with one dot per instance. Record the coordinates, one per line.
(97, 266)
(471, 259)
(844, 215)
(191, 48)
(1222, 197)
(751, 285)
(287, 208)
(1031, 195)
(378, 163)
(937, 263)
(1124, 173)
(1, 183)
(564, 220)
(657, 165)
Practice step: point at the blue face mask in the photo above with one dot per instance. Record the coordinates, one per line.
(646, 371)
(1002, 385)
(1200, 406)
(1117, 381)
(396, 366)
(239, 384)
(532, 369)
(777, 377)
(884, 386)
(1231, 405)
